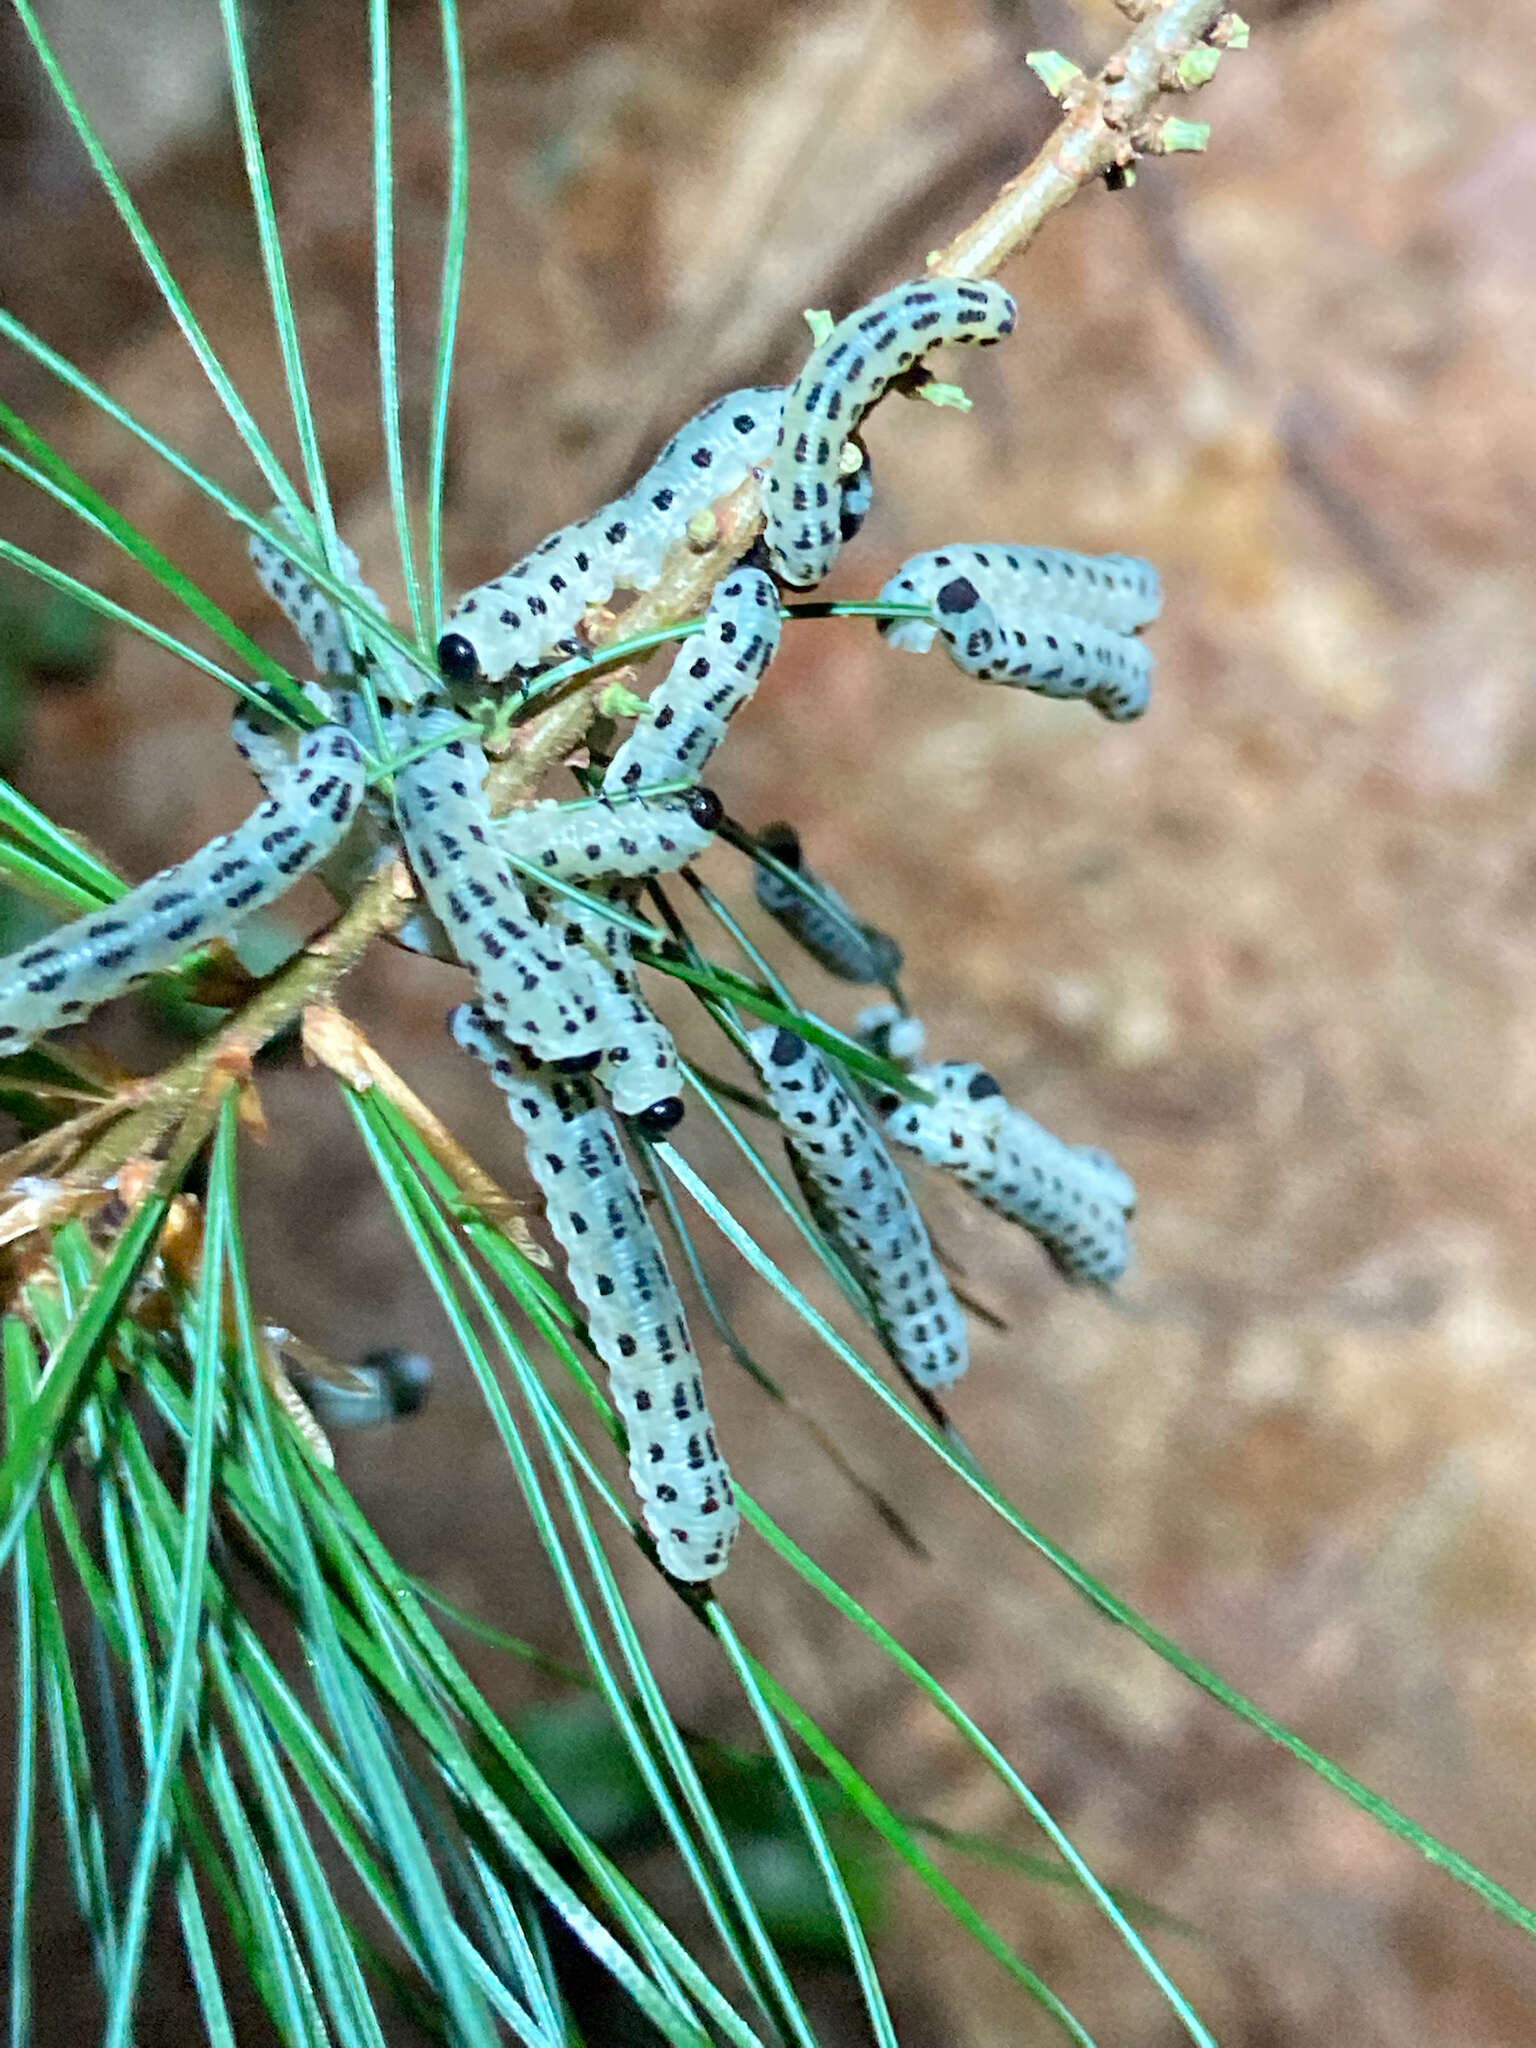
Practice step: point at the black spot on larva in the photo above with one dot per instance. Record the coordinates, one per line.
(958, 595)
(615, 533)
(578, 1063)
(786, 1048)
(980, 1086)
(663, 500)
(457, 659)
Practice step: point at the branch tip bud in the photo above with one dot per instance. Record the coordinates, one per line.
(1056, 73)
(1197, 67)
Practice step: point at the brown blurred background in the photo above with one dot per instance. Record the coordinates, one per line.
(1272, 946)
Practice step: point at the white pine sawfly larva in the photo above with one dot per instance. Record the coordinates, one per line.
(1058, 623)
(1073, 1199)
(634, 1312)
(841, 380)
(711, 677)
(636, 837)
(867, 1207)
(639, 1065)
(318, 619)
(828, 929)
(511, 624)
(65, 977)
(542, 994)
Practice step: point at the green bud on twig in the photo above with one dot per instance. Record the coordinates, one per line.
(821, 324)
(951, 395)
(1055, 72)
(616, 701)
(1176, 135)
(1197, 67)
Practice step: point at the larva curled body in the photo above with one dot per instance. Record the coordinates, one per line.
(711, 677)
(635, 837)
(826, 929)
(639, 1064)
(867, 1207)
(842, 379)
(510, 625)
(1121, 592)
(1060, 624)
(63, 978)
(543, 995)
(318, 619)
(1073, 1199)
(634, 1312)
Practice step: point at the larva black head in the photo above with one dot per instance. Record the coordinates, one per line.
(786, 1048)
(782, 841)
(578, 1063)
(458, 660)
(980, 1086)
(706, 809)
(887, 1103)
(958, 595)
(885, 956)
(407, 1377)
(661, 1117)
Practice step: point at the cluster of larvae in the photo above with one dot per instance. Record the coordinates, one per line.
(558, 1015)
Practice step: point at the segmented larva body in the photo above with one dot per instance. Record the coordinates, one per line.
(702, 463)
(1121, 592)
(1073, 1198)
(866, 1204)
(318, 619)
(841, 380)
(65, 977)
(1055, 622)
(827, 930)
(711, 677)
(634, 1312)
(639, 1065)
(634, 837)
(542, 994)
(510, 625)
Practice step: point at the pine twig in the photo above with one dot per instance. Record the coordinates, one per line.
(1102, 132)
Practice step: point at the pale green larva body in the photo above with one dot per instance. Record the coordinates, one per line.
(1073, 1199)
(539, 993)
(1044, 619)
(635, 837)
(866, 1205)
(711, 677)
(509, 626)
(634, 1312)
(842, 379)
(63, 978)
(822, 925)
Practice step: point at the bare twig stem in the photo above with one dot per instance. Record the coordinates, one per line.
(1097, 134)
